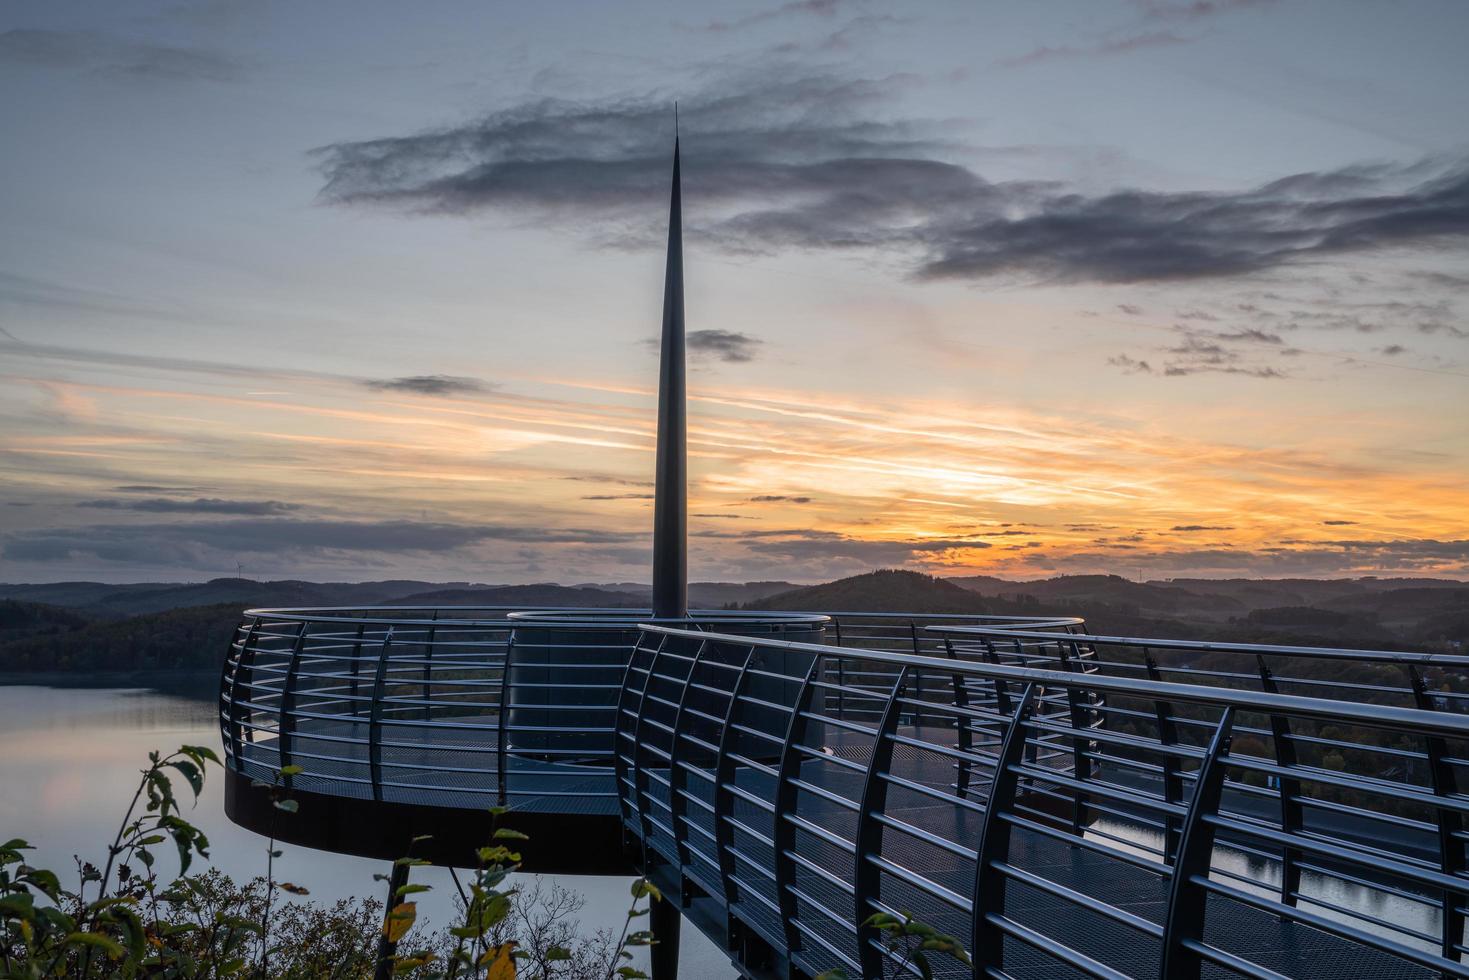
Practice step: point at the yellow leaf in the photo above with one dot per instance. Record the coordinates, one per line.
(501, 960)
(400, 920)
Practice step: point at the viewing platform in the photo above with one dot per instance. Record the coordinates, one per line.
(1066, 804)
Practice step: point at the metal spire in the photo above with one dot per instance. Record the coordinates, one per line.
(670, 503)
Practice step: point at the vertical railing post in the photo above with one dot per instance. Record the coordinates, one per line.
(723, 799)
(836, 625)
(784, 831)
(1172, 784)
(1187, 899)
(352, 683)
(1450, 827)
(678, 775)
(285, 727)
(375, 717)
(866, 879)
(1292, 814)
(1081, 764)
(986, 940)
(428, 669)
(963, 727)
(502, 722)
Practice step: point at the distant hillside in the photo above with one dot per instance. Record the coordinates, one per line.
(90, 626)
(888, 590)
(1343, 612)
(179, 639)
(546, 594)
(22, 619)
(130, 600)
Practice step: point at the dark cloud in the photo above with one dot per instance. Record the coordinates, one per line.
(1130, 309)
(619, 496)
(727, 517)
(155, 488)
(1186, 10)
(614, 480)
(1118, 45)
(801, 162)
(772, 498)
(200, 505)
(820, 8)
(1392, 350)
(1189, 528)
(727, 345)
(1337, 523)
(118, 56)
(1130, 365)
(430, 384)
(196, 544)
(1203, 352)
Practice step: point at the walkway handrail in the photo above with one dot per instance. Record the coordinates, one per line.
(1209, 646)
(766, 828)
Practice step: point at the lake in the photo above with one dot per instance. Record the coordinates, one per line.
(69, 761)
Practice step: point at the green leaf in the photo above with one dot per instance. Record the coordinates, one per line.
(292, 770)
(290, 806)
(505, 833)
(643, 887)
(555, 954)
(202, 752)
(191, 773)
(107, 944)
(412, 889)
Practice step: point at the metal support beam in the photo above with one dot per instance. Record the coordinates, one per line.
(1450, 828)
(375, 719)
(866, 879)
(1184, 925)
(986, 941)
(665, 920)
(1292, 816)
(285, 728)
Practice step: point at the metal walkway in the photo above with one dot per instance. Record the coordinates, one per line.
(1067, 805)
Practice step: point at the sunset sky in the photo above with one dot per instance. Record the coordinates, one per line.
(359, 291)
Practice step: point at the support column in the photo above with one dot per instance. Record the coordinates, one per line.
(387, 949)
(665, 920)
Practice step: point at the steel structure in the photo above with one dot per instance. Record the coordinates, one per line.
(1154, 828)
(1067, 804)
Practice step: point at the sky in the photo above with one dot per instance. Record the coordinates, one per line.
(351, 291)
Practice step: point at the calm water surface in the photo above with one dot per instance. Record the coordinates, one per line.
(69, 761)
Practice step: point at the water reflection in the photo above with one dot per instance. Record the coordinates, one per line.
(1321, 894)
(69, 761)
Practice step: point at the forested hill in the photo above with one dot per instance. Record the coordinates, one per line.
(1401, 614)
(75, 627)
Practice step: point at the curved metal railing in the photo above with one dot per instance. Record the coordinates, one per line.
(469, 706)
(1155, 829)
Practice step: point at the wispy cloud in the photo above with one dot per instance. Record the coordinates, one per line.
(200, 505)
